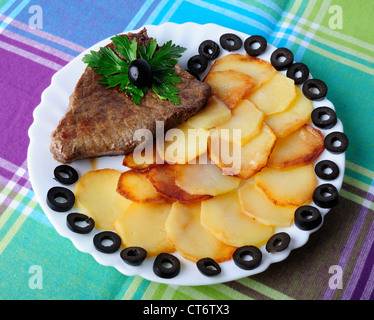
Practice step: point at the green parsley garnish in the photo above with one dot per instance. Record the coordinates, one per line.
(115, 71)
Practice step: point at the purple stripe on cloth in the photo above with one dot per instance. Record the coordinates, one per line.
(38, 45)
(22, 83)
(362, 269)
(350, 244)
(45, 35)
(6, 175)
(33, 50)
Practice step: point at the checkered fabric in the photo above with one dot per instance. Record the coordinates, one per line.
(333, 37)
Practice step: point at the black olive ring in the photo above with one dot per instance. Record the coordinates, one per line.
(307, 217)
(208, 267)
(230, 42)
(278, 53)
(331, 174)
(334, 137)
(255, 39)
(252, 251)
(60, 192)
(326, 196)
(166, 266)
(278, 242)
(66, 174)
(107, 235)
(73, 218)
(317, 84)
(294, 69)
(197, 64)
(324, 117)
(209, 49)
(133, 256)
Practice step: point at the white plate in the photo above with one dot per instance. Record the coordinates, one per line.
(54, 102)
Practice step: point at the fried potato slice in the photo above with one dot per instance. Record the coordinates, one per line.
(190, 238)
(274, 96)
(256, 204)
(96, 196)
(261, 71)
(135, 186)
(222, 215)
(163, 179)
(204, 179)
(230, 86)
(246, 119)
(299, 148)
(142, 161)
(294, 117)
(287, 187)
(253, 156)
(183, 144)
(213, 114)
(143, 225)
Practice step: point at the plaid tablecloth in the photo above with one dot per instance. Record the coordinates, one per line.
(334, 38)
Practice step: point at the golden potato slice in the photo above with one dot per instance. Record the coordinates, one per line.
(230, 86)
(274, 96)
(261, 71)
(190, 238)
(142, 163)
(222, 215)
(135, 186)
(96, 196)
(246, 118)
(183, 144)
(287, 187)
(257, 205)
(143, 225)
(294, 117)
(213, 114)
(204, 179)
(253, 156)
(299, 148)
(163, 179)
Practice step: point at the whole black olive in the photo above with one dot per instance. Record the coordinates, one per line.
(140, 73)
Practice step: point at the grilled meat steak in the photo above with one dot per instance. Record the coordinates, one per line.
(102, 121)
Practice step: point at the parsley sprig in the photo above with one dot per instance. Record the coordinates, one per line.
(114, 70)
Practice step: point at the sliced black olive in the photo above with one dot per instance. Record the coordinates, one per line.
(324, 117)
(307, 217)
(326, 196)
(314, 89)
(197, 64)
(209, 49)
(241, 254)
(133, 256)
(60, 199)
(166, 266)
(73, 218)
(208, 267)
(66, 174)
(336, 142)
(107, 235)
(230, 42)
(327, 170)
(278, 242)
(250, 41)
(294, 70)
(276, 56)
(140, 73)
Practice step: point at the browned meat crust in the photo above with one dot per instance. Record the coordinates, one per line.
(102, 121)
